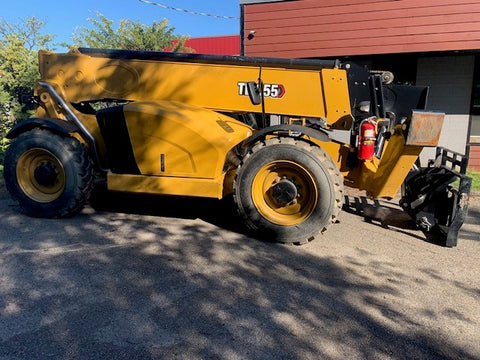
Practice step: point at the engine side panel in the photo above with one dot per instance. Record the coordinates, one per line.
(175, 139)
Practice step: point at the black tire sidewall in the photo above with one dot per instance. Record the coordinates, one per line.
(62, 147)
(321, 215)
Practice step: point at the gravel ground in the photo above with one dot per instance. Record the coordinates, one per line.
(172, 278)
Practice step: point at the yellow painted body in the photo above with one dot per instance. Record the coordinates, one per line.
(178, 123)
(211, 188)
(194, 141)
(213, 86)
(382, 178)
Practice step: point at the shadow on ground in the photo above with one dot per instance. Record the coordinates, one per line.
(391, 216)
(384, 215)
(106, 285)
(375, 211)
(221, 213)
(471, 228)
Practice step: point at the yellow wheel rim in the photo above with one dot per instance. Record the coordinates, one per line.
(40, 175)
(284, 192)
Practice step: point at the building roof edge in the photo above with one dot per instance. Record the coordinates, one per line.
(244, 2)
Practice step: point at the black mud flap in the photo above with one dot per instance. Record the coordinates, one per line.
(436, 197)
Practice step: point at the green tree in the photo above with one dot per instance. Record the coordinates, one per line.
(130, 35)
(19, 44)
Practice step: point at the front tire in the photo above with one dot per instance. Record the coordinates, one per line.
(287, 190)
(48, 174)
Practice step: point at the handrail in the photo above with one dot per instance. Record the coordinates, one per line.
(72, 117)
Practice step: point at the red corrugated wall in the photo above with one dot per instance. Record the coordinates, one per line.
(216, 45)
(313, 28)
(474, 160)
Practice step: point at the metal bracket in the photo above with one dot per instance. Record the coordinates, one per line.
(435, 201)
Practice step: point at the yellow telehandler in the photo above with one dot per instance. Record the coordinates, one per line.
(282, 135)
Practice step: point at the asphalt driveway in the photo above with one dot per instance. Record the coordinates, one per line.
(168, 278)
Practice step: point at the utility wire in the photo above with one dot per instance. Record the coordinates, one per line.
(188, 11)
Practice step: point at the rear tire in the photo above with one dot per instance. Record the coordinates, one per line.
(48, 174)
(287, 190)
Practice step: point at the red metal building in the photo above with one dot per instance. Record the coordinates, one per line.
(312, 28)
(424, 42)
(217, 45)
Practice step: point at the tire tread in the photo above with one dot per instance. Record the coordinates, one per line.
(79, 156)
(316, 152)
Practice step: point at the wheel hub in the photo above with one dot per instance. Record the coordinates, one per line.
(40, 175)
(284, 192)
(45, 174)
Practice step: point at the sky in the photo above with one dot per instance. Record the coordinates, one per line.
(62, 17)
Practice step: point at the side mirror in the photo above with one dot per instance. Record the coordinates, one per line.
(254, 92)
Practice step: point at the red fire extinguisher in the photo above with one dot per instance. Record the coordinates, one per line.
(366, 139)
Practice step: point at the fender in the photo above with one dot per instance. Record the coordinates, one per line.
(56, 125)
(321, 135)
